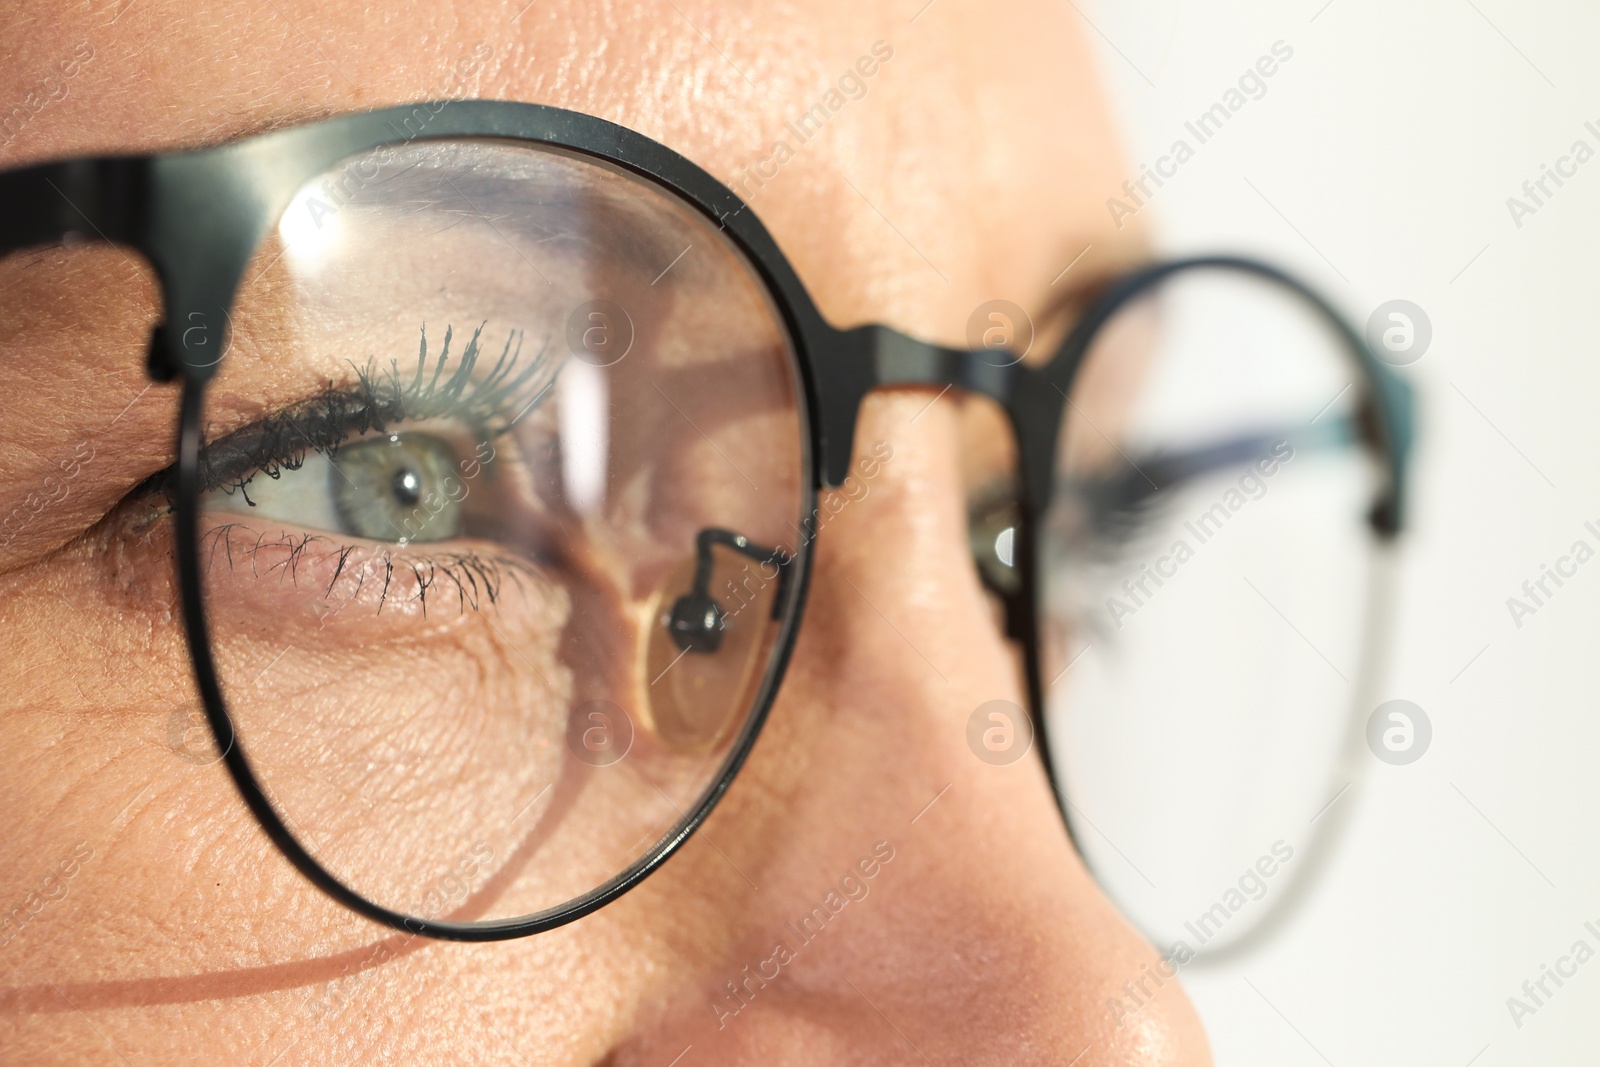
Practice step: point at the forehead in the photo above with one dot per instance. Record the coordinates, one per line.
(970, 164)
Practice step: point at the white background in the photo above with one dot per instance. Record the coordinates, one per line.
(1390, 142)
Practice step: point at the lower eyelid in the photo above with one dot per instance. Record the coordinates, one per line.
(279, 571)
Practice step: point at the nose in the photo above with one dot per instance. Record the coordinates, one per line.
(899, 898)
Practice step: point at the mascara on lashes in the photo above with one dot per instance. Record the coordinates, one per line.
(490, 404)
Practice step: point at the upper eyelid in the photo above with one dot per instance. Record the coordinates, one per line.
(379, 397)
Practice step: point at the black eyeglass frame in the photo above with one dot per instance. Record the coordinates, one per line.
(198, 217)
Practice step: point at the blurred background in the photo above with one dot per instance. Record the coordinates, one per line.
(1379, 163)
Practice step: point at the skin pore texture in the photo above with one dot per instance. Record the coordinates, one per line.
(150, 921)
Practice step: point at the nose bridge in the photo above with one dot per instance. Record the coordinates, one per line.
(875, 734)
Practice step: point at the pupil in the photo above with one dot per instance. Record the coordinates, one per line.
(407, 485)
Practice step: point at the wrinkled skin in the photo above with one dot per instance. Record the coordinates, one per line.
(159, 925)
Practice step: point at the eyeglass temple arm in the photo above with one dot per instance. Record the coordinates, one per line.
(1393, 405)
(88, 199)
(192, 217)
(101, 200)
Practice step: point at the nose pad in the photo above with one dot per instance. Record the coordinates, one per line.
(702, 651)
(695, 622)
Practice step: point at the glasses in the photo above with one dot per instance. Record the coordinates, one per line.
(505, 438)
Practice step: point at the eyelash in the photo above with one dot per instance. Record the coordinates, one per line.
(490, 405)
(1119, 518)
(476, 578)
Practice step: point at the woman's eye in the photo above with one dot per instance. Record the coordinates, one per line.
(400, 488)
(992, 531)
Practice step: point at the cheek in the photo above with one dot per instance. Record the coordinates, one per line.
(114, 791)
(177, 910)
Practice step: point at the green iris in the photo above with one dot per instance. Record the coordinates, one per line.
(399, 488)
